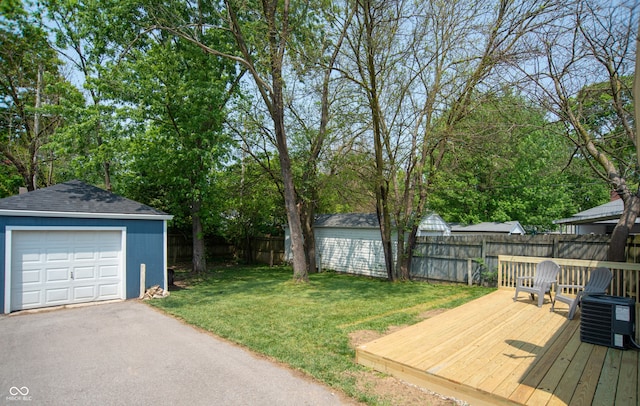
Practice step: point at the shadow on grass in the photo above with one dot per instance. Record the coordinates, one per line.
(338, 295)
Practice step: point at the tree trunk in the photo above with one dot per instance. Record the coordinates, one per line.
(107, 175)
(400, 265)
(384, 219)
(406, 253)
(32, 183)
(300, 273)
(307, 214)
(621, 231)
(199, 255)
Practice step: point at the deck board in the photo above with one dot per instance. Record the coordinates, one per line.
(586, 387)
(627, 389)
(497, 351)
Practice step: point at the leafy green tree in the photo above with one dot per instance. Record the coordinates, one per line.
(582, 80)
(89, 35)
(253, 205)
(181, 95)
(516, 167)
(32, 91)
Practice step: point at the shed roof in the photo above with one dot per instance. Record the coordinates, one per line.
(347, 220)
(76, 199)
(432, 222)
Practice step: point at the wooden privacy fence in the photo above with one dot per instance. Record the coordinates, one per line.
(268, 250)
(453, 258)
(265, 250)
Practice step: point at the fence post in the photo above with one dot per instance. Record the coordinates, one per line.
(483, 252)
(143, 279)
(469, 271)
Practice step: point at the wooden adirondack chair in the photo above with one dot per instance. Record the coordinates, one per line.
(598, 283)
(546, 275)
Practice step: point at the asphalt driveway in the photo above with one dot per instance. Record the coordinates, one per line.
(127, 353)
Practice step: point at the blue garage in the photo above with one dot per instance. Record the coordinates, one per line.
(76, 243)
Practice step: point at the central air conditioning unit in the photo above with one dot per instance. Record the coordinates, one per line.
(608, 320)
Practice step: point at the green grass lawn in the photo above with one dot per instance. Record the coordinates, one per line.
(306, 326)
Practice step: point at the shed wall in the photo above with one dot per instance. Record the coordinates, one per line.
(349, 250)
(145, 245)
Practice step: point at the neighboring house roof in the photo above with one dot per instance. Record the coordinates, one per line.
(76, 199)
(605, 212)
(508, 227)
(347, 220)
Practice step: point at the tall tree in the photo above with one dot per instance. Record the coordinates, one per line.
(581, 79)
(262, 33)
(183, 95)
(31, 86)
(311, 103)
(88, 36)
(419, 66)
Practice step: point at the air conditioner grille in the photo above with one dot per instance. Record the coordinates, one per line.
(607, 320)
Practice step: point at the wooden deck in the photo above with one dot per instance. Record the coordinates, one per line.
(495, 351)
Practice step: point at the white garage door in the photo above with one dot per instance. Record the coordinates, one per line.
(51, 268)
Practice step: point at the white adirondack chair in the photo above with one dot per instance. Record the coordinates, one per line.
(546, 275)
(598, 283)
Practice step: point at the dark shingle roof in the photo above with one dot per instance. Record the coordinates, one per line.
(347, 220)
(75, 197)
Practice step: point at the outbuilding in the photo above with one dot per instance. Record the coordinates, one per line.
(347, 242)
(351, 242)
(75, 243)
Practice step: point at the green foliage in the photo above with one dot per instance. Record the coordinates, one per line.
(10, 180)
(253, 205)
(595, 108)
(511, 164)
(91, 35)
(33, 96)
(347, 185)
(177, 96)
(306, 326)
(155, 110)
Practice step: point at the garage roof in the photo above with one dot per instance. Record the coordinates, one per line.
(77, 199)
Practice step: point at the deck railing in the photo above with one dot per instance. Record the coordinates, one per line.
(626, 276)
